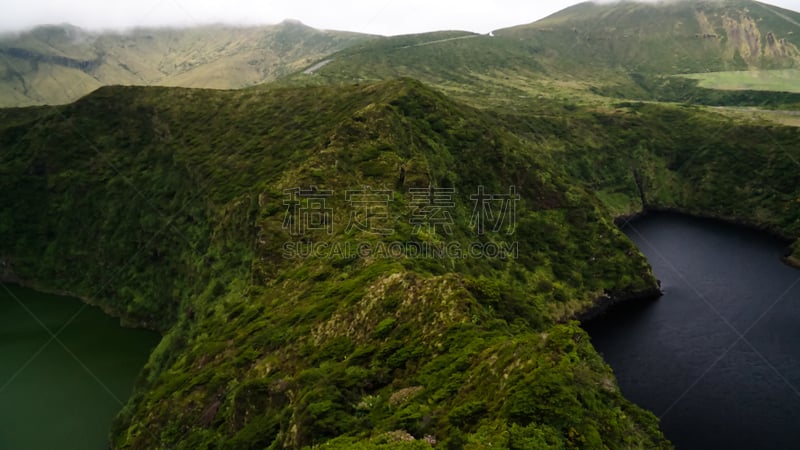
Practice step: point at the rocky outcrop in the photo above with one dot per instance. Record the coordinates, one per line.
(746, 39)
(792, 255)
(7, 274)
(610, 299)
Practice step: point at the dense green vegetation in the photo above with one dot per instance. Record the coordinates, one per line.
(685, 158)
(589, 52)
(151, 204)
(166, 206)
(169, 207)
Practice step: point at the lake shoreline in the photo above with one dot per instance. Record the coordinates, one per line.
(599, 307)
(82, 357)
(602, 304)
(9, 276)
(718, 278)
(609, 300)
(774, 232)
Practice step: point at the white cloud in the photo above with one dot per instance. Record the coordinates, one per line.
(371, 16)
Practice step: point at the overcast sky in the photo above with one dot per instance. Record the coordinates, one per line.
(386, 17)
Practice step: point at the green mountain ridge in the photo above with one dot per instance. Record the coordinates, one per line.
(181, 228)
(172, 214)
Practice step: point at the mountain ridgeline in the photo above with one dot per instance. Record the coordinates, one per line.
(313, 250)
(61, 63)
(586, 46)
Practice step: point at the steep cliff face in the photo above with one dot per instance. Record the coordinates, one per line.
(743, 39)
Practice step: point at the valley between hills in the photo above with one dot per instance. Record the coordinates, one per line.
(156, 187)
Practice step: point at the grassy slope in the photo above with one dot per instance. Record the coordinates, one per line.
(262, 351)
(477, 69)
(620, 51)
(216, 56)
(524, 77)
(668, 37)
(787, 80)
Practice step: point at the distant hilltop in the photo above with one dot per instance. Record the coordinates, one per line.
(56, 64)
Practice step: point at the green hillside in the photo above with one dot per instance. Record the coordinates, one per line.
(166, 206)
(668, 37)
(172, 217)
(787, 80)
(590, 54)
(440, 58)
(59, 64)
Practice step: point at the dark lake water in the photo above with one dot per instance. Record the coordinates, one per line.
(718, 356)
(55, 396)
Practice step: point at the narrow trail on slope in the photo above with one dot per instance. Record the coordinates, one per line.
(317, 66)
(471, 36)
